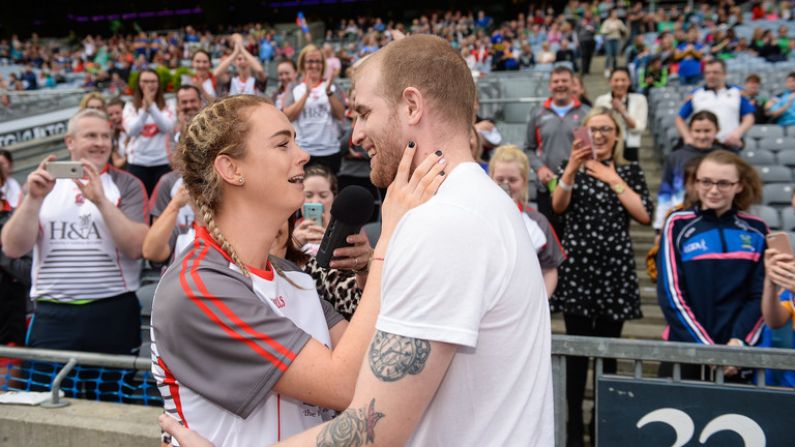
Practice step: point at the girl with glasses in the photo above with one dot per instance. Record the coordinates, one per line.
(710, 265)
(598, 288)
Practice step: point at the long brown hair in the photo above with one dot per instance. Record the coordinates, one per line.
(138, 94)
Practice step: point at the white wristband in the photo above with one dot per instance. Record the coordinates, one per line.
(564, 186)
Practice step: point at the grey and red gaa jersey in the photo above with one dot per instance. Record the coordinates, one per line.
(221, 341)
(75, 257)
(182, 235)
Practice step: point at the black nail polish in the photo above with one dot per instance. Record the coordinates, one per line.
(411, 144)
(441, 172)
(438, 153)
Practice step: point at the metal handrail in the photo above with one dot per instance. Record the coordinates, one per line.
(567, 345)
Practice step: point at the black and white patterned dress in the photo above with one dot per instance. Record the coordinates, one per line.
(598, 279)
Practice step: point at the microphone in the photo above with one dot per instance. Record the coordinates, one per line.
(351, 209)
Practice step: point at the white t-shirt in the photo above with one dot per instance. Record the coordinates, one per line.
(239, 87)
(537, 237)
(11, 192)
(150, 133)
(75, 257)
(460, 269)
(317, 132)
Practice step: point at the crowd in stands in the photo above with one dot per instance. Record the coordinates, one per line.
(580, 158)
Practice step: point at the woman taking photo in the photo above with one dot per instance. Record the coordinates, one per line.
(631, 107)
(315, 107)
(598, 288)
(710, 268)
(224, 311)
(148, 121)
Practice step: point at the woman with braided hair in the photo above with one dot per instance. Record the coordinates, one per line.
(244, 351)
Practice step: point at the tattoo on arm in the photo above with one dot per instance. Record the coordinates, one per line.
(353, 427)
(392, 357)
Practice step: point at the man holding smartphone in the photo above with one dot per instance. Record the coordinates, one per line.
(87, 234)
(550, 134)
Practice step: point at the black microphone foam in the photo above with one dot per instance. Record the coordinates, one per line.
(352, 208)
(354, 205)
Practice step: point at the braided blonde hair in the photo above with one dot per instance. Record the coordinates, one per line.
(218, 129)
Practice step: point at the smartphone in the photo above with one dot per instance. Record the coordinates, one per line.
(779, 241)
(65, 169)
(314, 212)
(584, 135)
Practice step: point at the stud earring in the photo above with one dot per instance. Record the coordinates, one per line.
(241, 180)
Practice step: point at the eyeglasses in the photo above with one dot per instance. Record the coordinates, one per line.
(723, 185)
(604, 130)
(313, 61)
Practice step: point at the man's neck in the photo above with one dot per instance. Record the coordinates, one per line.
(562, 102)
(455, 151)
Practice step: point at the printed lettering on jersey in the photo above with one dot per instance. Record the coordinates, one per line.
(701, 244)
(316, 111)
(84, 229)
(744, 241)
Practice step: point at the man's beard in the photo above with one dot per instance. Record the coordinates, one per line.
(389, 152)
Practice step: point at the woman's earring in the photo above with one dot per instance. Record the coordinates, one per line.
(241, 180)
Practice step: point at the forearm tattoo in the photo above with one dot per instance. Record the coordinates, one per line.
(352, 428)
(392, 357)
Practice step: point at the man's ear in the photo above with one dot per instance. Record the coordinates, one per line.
(227, 169)
(414, 104)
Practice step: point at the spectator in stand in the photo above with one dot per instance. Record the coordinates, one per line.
(93, 100)
(613, 30)
(250, 78)
(654, 74)
(333, 63)
(10, 191)
(598, 288)
(549, 137)
(631, 107)
(735, 113)
(94, 226)
(782, 110)
(769, 48)
(286, 73)
(689, 55)
(673, 189)
(510, 168)
(203, 77)
(757, 99)
(115, 111)
(29, 78)
(316, 107)
(149, 122)
(586, 34)
(14, 286)
(711, 272)
(578, 90)
(566, 54)
(778, 305)
(526, 59)
(546, 56)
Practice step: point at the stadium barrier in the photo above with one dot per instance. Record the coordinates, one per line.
(741, 406)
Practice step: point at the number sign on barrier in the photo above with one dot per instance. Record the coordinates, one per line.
(664, 414)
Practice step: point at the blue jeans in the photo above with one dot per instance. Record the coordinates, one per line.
(611, 51)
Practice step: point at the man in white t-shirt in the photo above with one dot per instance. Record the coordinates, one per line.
(461, 354)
